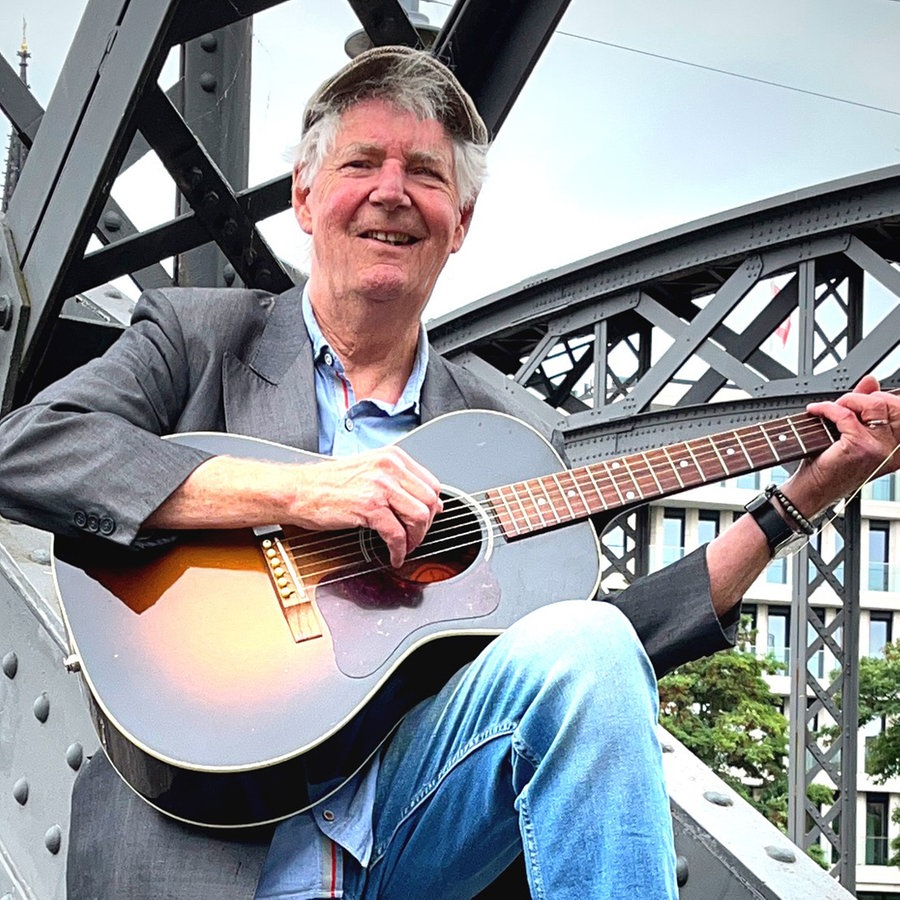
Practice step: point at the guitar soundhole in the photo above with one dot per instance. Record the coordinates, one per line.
(452, 544)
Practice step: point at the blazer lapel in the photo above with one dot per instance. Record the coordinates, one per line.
(271, 393)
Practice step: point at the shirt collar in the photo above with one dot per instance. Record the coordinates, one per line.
(411, 397)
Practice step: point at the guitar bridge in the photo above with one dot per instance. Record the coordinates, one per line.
(295, 602)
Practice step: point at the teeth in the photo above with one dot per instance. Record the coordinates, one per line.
(389, 237)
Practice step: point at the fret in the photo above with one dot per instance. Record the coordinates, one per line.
(562, 493)
(542, 503)
(673, 467)
(576, 492)
(737, 437)
(517, 493)
(787, 442)
(715, 449)
(612, 479)
(768, 441)
(509, 527)
(729, 451)
(701, 474)
(652, 471)
(588, 470)
(637, 493)
(757, 451)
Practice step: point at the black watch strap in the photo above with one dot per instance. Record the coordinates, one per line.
(779, 535)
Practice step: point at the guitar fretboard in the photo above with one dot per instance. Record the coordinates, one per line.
(525, 507)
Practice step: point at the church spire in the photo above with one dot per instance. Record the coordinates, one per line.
(18, 152)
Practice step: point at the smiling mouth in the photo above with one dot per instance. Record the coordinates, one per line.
(394, 238)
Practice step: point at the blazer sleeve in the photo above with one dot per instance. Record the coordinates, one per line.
(86, 456)
(672, 612)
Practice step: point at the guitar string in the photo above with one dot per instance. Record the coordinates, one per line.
(421, 556)
(332, 542)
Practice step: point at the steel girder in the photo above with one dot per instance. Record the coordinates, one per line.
(678, 335)
(107, 93)
(623, 350)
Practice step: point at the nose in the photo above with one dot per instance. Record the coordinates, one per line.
(390, 186)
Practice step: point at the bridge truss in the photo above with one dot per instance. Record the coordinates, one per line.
(666, 338)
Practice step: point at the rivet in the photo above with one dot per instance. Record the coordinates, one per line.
(328, 815)
(208, 82)
(40, 555)
(112, 221)
(264, 277)
(718, 799)
(229, 228)
(195, 177)
(6, 312)
(210, 199)
(681, 870)
(75, 756)
(782, 854)
(20, 791)
(228, 274)
(42, 707)
(10, 664)
(209, 42)
(667, 748)
(53, 839)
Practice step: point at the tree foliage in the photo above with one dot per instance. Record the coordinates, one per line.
(879, 698)
(722, 709)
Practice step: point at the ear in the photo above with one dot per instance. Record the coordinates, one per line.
(465, 219)
(300, 202)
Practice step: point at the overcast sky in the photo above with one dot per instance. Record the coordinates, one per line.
(639, 116)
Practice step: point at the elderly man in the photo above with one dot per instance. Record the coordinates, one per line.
(545, 745)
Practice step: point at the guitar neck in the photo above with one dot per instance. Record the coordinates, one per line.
(525, 507)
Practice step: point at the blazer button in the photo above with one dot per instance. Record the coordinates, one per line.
(93, 523)
(81, 518)
(107, 526)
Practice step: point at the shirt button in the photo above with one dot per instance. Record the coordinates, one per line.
(328, 359)
(328, 815)
(348, 424)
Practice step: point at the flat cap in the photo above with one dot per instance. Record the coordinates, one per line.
(364, 76)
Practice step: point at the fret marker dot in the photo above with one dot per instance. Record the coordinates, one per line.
(630, 495)
(729, 451)
(615, 465)
(541, 501)
(782, 437)
(683, 464)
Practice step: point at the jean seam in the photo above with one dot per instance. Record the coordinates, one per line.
(499, 730)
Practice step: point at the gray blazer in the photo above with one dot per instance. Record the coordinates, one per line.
(86, 457)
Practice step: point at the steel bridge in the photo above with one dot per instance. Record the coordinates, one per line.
(660, 340)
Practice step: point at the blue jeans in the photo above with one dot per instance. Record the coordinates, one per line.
(547, 743)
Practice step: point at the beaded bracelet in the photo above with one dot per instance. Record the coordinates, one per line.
(802, 522)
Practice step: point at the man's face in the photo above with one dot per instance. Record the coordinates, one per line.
(383, 211)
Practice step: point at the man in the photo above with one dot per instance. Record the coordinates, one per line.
(545, 744)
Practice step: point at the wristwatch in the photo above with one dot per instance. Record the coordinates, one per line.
(781, 538)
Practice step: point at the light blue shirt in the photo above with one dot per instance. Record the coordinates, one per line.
(304, 859)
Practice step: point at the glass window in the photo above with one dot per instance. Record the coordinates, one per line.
(779, 633)
(876, 829)
(878, 555)
(869, 731)
(880, 627)
(883, 488)
(749, 481)
(673, 535)
(777, 571)
(707, 525)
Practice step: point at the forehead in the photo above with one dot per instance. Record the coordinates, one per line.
(378, 126)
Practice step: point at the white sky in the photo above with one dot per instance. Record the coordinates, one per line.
(629, 124)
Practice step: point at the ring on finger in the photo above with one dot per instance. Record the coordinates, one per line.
(877, 423)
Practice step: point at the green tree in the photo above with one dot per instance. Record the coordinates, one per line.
(879, 698)
(722, 709)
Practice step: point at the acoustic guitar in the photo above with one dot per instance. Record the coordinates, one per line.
(238, 677)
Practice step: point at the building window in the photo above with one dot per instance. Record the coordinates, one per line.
(777, 571)
(876, 829)
(882, 488)
(878, 555)
(870, 731)
(880, 628)
(673, 535)
(748, 627)
(780, 633)
(707, 525)
(750, 481)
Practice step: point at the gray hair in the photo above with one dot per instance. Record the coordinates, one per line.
(408, 90)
